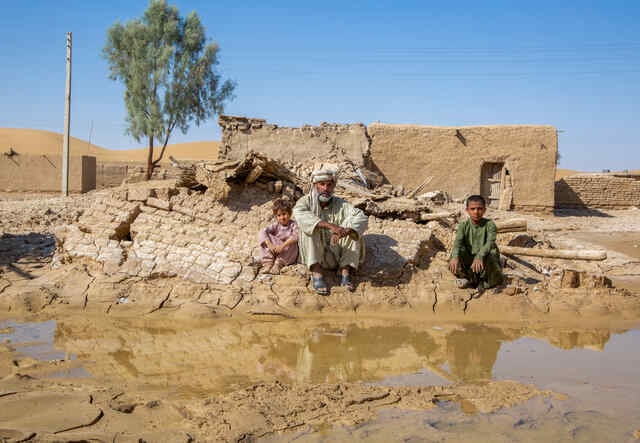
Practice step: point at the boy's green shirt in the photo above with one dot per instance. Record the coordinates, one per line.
(477, 240)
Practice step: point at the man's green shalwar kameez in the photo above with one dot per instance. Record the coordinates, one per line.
(478, 241)
(315, 244)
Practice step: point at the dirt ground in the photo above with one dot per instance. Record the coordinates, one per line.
(186, 392)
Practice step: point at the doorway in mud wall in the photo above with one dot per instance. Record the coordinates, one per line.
(490, 181)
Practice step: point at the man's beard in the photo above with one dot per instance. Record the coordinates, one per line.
(324, 197)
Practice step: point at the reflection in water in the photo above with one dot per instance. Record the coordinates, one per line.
(353, 353)
(472, 352)
(228, 355)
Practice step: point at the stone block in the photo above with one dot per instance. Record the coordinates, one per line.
(158, 203)
(230, 272)
(136, 194)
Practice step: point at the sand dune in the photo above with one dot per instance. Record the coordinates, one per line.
(560, 173)
(35, 141)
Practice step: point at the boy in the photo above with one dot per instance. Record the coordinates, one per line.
(475, 258)
(279, 241)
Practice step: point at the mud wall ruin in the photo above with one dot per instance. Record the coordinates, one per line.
(407, 154)
(454, 157)
(112, 174)
(327, 142)
(153, 229)
(43, 173)
(610, 190)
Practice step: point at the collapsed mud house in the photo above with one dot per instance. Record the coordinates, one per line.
(512, 166)
(202, 228)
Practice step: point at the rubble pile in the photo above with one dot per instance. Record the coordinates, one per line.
(160, 229)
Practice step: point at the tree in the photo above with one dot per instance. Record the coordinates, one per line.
(169, 73)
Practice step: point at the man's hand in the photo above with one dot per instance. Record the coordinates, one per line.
(337, 231)
(340, 231)
(454, 264)
(277, 249)
(477, 266)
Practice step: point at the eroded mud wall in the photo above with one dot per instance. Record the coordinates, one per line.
(598, 191)
(327, 142)
(43, 173)
(407, 154)
(111, 174)
(155, 230)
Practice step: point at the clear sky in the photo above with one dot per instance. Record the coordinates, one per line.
(571, 64)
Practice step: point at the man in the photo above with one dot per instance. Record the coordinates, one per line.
(475, 258)
(331, 231)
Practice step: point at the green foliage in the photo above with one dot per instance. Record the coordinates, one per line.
(169, 73)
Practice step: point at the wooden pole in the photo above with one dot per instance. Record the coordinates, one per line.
(570, 254)
(67, 122)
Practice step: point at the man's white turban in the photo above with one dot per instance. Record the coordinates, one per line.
(323, 175)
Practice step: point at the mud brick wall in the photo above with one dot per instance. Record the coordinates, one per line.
(148, 231)
(325, 143)
(598, 191)
(408, 154)
(112, 174)
(43, 173)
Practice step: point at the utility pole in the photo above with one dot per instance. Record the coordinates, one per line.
(67, 122)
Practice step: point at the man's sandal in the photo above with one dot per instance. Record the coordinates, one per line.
(319, 285)
(347, 283)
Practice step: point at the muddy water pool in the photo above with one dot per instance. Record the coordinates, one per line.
(597, 368)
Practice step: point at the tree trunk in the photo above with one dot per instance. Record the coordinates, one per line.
(150, 159)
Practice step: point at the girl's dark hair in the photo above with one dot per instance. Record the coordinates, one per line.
(281, 204)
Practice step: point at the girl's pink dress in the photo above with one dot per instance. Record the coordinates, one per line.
(278, 234)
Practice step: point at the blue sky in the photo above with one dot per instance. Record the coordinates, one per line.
(572, 64)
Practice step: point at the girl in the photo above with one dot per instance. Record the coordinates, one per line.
(279, 241)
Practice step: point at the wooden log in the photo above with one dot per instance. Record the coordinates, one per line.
(253, 175)
(514, 225)
(570, 254)
(428, 216)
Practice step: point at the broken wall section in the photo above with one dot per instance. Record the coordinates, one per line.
(610, 190)
(325, 143)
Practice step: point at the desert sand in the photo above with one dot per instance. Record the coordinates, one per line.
(37, 142)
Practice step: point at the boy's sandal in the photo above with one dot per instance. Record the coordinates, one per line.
(319, 285)
(346, 282)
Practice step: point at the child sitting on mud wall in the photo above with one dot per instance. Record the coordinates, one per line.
(475, 258)
(279, 241)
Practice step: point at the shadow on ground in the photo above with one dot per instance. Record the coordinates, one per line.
(23, 252)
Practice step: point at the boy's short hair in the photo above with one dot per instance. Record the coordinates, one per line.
(476, 198)
(281, 204)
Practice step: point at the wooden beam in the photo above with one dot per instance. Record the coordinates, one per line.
(569, 254)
